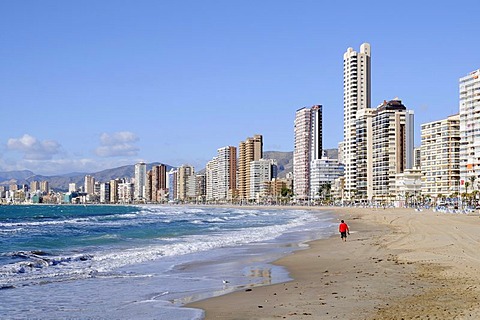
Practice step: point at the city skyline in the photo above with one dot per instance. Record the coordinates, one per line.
(92, 86)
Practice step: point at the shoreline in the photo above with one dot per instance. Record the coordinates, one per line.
(393, 258)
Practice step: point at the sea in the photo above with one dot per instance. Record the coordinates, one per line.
(142, 262)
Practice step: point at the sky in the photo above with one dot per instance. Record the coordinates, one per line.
(91, 85)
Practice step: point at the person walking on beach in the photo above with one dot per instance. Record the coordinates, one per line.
(344, 230)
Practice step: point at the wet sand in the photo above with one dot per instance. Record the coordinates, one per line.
(396, 264)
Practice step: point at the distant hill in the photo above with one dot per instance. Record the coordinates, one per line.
(14, 175)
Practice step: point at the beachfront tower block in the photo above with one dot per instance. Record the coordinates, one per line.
(356, 96)
(470, 131)
(307, 148)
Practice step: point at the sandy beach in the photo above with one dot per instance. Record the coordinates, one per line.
(396, 264)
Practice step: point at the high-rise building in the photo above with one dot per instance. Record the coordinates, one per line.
(392, 144)
(384, 148)
(356, 96)
(45, 187)
(364, 156)
(249, 150)
(172, 184)
(201, 187)
(114, 191)
(226, 173)
(34, 186)
(307, 148)
(469, 131)
(89, 184)
(440, 157)
(211, 171)
(140, 181)
(186, 186)
(261, 172)
(158, 188)
(105, 192)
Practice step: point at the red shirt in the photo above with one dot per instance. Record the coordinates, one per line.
(343, 227)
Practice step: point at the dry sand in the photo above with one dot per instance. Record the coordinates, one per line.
(396, 264)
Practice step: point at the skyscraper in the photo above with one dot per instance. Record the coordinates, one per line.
(186, 183)
(226, 173)
(356, 96)
(159, 183)
(89, 184)
(392, 144)
(384, 148)
(249, 150)
(140, 181)
(469, 131)
(307, 148)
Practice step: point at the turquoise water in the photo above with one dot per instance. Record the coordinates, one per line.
(171, 255)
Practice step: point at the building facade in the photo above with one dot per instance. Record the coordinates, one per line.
(307, 147)
(261, 173)
(226, 173)
(392, 143)
(324, 171)
(470, 131)
(249, 150)
(356, 96)
(140, 181)
(440, 157)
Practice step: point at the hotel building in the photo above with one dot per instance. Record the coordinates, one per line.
(356, 97)
(470, 131)
(440, 157)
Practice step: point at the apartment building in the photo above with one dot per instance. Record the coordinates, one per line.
(261, 172)
(249, 150)
(140, 181)
(226, 173)
(469, 88)
(356, 97)
(392, 134)
(307, 147)
(440, 157)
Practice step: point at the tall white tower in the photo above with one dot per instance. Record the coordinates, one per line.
(356, 96)
(308, 147)
(469, 128)
(140, 181)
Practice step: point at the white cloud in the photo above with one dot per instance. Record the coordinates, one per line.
(34, 149)
(117, 144)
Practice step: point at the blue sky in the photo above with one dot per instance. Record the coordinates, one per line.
(90, 85)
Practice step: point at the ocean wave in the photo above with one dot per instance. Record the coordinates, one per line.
(216, 229)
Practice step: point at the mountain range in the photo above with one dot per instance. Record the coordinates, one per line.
(61, 182)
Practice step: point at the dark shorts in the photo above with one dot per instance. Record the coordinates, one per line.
(343, 234)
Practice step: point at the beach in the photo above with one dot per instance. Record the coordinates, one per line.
(396, 264)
